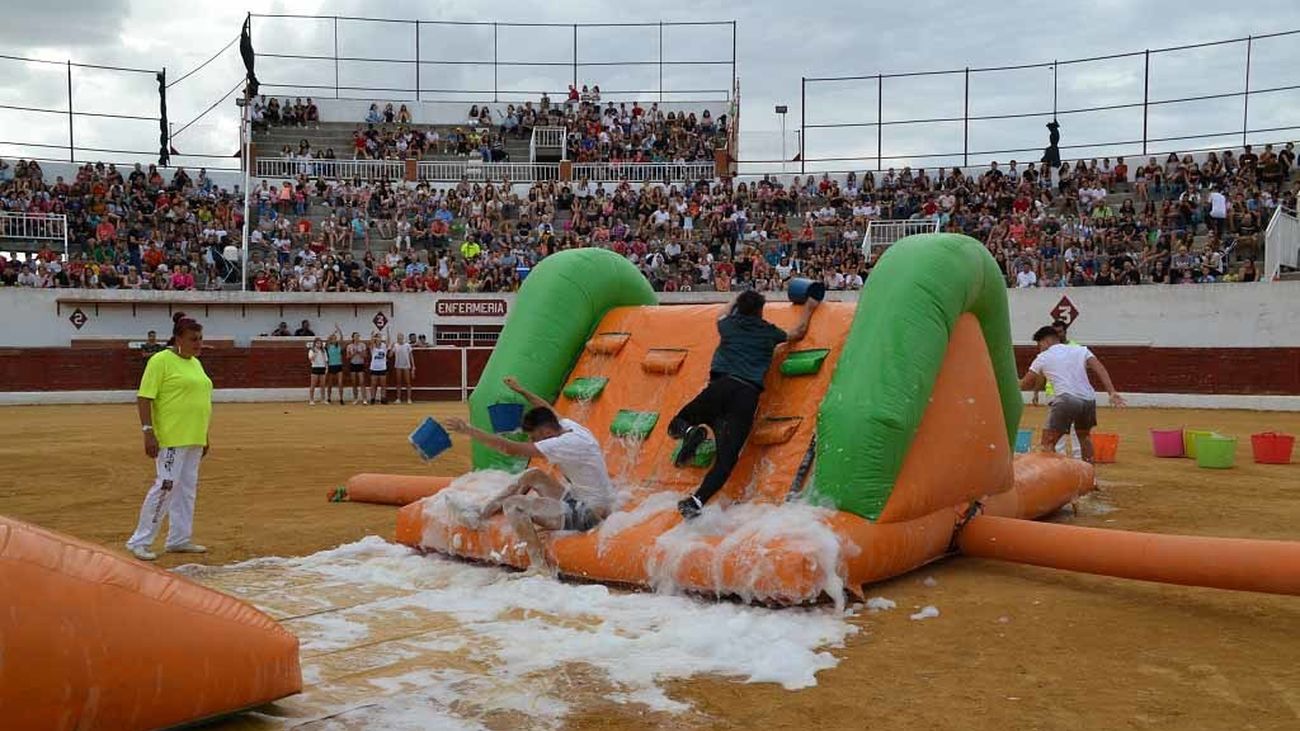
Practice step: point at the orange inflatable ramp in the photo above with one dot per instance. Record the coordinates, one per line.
(93, 640)
(370, 487)
(1223, 563)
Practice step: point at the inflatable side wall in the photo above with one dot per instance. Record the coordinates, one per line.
(900, 336)
(541, 342)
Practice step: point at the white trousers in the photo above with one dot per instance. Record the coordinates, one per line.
(173, 495)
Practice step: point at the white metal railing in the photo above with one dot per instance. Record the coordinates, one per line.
(288, 167)
(547, 138)
(643, 172)
(478, 171)
(880, 234)
(1281, 243)
(35, 227)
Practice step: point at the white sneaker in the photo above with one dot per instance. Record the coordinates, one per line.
(187, 548)
(311, 403)
(142, 553)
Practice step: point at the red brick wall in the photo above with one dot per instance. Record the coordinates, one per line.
(1134, 369)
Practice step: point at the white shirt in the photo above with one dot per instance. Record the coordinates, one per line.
(1218, 205)
(1065, 366)
(402, 356)
(1026, 279)
(379, 357)
(578, 455)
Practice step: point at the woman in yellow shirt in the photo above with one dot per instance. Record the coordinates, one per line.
(175, 405)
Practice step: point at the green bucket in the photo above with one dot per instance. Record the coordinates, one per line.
(1189, 440)
(1215, 451)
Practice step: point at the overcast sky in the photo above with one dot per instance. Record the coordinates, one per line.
(776, 43)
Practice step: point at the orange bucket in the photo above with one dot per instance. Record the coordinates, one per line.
(1272, 447)
(1104, 447)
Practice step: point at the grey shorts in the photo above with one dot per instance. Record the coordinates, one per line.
(1067, 411)
(577, 516)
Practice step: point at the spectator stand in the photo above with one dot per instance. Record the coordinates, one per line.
(31, 231)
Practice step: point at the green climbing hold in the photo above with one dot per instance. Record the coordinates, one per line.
(636, 424)
(804, 362)
(703, 455)
(585, 389)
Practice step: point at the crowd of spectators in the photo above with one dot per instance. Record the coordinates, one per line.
(133, 231)
(1088, 223)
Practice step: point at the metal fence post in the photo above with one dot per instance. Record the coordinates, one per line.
(661, 61)
(965, 124)
(803, 123)
(336, 57)
(495, 88)
(417, 60)
(72, 152)
(733, 54)
(1245, 100)
(1146, 94)
(880, 118)
(575, 54)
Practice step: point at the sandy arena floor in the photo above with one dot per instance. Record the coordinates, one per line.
(1015, 647)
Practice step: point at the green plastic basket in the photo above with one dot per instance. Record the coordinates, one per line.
(1215, 451)
(703, 455)
(803, 362)
(585, 389)
(636, 424)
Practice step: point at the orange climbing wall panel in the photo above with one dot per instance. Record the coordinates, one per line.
(764, 472)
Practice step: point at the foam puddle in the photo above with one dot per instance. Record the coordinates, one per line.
(391, 639)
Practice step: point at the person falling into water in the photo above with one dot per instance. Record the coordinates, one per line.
(727, 404)
(535, 500)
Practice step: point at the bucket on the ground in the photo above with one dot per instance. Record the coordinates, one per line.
(801, 289)
(430, 439)
(1189, 440)
(1024, 440)
(505, 416)
(1272, 447)
(1104, 446)
(1215, 451)
(1167, 442)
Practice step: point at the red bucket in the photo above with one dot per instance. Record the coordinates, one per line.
(1104, 447)
(1272, 447)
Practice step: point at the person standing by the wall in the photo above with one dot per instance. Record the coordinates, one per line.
(334, 358)
(175, 407)
(358, 353)
(403, 367)
(380, 350)
(318, 359)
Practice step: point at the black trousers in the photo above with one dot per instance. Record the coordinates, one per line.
(727, 405)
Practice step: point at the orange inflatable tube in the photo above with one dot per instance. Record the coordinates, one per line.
(1223, 563)
(92, 640)
(369, 487)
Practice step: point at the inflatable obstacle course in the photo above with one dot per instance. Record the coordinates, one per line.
(894, 425)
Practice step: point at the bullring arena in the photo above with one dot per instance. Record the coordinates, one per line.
(898, 543)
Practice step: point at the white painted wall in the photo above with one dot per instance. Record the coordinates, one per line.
(1216, 315)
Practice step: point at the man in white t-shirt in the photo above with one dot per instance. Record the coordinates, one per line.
(1218, 210)
(1074, 404)
(536, 500)
(1026, 277)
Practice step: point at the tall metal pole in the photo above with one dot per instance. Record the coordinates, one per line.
(733, 55)
(783, 167)
(1245, 100)
(417, 60)
(575, 54)
(803, 123)
(880, 118)
(495, 89)
(1146, 94)
(246, 136)
(336, 57)
(965, 125)
(72, 153)
(1054, 89)
(661, 61)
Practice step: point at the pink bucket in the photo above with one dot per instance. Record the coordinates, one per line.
(1167, 442)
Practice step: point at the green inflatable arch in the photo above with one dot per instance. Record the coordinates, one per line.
(893, 353)
(558, 307)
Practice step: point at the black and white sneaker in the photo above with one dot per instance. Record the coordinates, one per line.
(691, 442)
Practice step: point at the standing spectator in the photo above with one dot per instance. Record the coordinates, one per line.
(358, 353)
(404, 366)
(334, 360)
(318, 360)
(175, 407)
(379, 351)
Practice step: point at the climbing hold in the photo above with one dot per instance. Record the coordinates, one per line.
(775, 430)
(587, 388)
(607, 343)
(703, 454)
(804, 362)
(636, 424)
(663, 360)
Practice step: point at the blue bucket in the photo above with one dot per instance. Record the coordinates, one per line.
(430, 439)
(505, 416)
(1024, 440)
(801, 289)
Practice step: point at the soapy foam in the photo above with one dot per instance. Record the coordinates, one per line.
(466, 642)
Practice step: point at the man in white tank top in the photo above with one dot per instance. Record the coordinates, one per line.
(536, 500)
